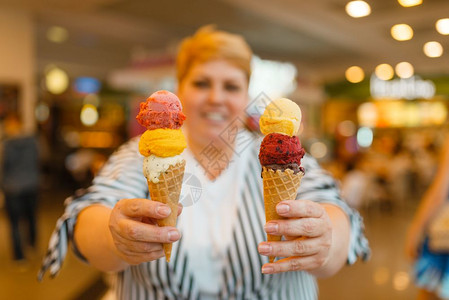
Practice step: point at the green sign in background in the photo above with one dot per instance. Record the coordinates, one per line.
(344, 90)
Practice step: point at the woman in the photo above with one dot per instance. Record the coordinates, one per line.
(431, 269)
(219, 249)
(20, 183)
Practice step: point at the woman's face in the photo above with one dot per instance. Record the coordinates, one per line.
(213, 94)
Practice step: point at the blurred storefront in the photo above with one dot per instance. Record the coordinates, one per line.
(389, 137)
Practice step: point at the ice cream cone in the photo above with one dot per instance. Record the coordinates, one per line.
(278, 186)
(167, 191)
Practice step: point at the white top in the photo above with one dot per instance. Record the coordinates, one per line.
(207, 224)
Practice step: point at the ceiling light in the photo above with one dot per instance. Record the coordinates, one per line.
(409, 3)
(57, 34)
(354, 74)
(384, 71)
(442, 26)
(404, 70)
(358, 9)
(401, 32)
(433, 49)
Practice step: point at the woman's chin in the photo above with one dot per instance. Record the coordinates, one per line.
(212, 135)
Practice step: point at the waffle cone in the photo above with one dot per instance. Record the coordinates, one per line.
(167, 191)
(278, 186)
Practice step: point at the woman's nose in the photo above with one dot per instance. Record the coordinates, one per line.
(216, 95)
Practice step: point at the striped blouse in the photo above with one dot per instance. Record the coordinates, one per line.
(241, 276)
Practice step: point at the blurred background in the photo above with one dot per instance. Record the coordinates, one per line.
(371, 78)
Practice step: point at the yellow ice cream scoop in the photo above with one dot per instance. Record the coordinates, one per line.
(281, 116)
(162, 142)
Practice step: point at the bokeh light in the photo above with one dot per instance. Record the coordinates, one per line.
(42, 112)
(367, 114)
(354, 74)
(318, 149)
(401, 280)
(56, 80)
(384, 71)
(89, 115)
(358, 9)
(57, 34)
(404, 69)
(346, 128)
(364, 137)
(402, 32)
(409, 3)
(433, 49)
(442, 26)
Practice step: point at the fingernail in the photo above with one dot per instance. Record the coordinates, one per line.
(264, 248)
(163, 210)
(282, 208)
(271, 227)
(173, 235)
(267, 270)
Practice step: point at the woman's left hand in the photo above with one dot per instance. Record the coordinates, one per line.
(308, 234)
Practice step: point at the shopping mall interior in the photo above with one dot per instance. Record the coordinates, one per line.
(372, 83)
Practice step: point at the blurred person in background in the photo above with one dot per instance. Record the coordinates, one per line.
(355, 183)
(400, 175)
(222, 253)
(20, 182)
(431, 269)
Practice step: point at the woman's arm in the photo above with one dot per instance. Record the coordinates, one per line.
(433, 198)
(94, 240)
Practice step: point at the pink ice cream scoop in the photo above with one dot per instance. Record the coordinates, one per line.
(161, 110)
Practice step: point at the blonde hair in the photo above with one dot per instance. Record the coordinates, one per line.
(209, 44)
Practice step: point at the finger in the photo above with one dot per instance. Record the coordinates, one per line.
(138, 231)
(293, 264)
(310, 227)
(298, 247)
(299, 209)
(136, 259)
(132, 249)
(135, 208)
(136, 247)
(153, 221)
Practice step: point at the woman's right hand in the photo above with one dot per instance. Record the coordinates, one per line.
(134, 230)
(413, 241)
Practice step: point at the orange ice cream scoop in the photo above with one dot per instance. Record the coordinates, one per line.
(162, 142)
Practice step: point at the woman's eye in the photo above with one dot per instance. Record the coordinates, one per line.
(201, 84)
(232, 87)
